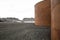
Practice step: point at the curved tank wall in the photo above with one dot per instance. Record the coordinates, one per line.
(43, 13)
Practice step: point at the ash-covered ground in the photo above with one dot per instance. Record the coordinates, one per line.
(23, 31)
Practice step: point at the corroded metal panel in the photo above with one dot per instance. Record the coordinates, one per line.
(43, 13)
(55, 19)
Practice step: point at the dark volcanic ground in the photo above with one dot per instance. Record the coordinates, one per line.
(18, 31)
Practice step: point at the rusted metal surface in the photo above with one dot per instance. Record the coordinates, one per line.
(55, 19)
(43, 13)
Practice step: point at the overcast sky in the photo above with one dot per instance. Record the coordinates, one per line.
(17, 8)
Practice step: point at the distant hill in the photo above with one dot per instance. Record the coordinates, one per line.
(28, 20)
(9, 20)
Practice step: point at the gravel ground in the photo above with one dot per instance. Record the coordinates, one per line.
(27, 31)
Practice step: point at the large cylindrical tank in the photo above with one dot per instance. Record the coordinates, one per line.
(43, 13)
(55, 19)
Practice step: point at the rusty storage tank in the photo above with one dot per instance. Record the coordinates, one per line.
(55, 19)
(43, 13)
